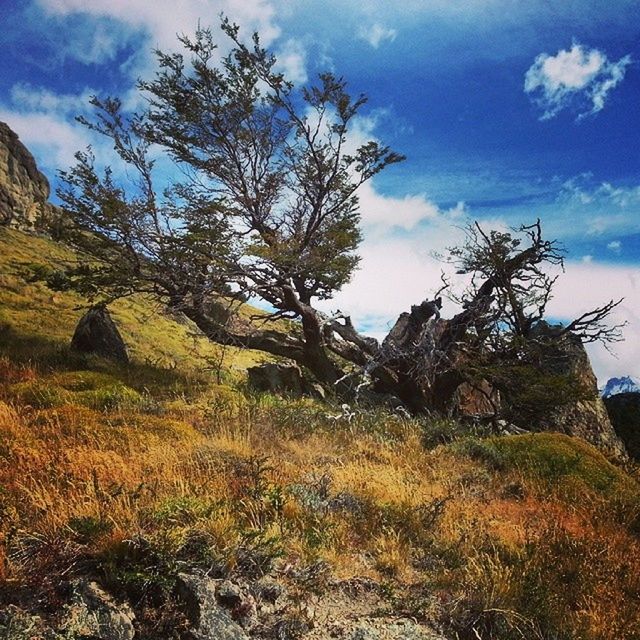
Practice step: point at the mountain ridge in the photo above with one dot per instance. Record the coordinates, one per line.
(622, 384)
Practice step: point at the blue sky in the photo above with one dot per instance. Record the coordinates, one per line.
(506, 111)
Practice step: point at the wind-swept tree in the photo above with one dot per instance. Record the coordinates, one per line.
(266, 204)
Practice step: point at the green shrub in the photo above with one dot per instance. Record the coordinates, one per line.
(556, 459)
(117, 396)
(87, 529)
(484, 451)
(39, 394)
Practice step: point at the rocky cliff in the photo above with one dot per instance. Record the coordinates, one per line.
(585, 416)
(24, 190)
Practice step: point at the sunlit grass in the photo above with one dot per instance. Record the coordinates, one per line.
(131, 473)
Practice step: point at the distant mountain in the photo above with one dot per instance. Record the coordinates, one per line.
(625, 384)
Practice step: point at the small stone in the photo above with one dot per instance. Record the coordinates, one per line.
(229, 594)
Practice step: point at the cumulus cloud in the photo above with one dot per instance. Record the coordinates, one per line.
(376, 34)
(383, 213)
(292, 57)
(615, 246)
(579, 78)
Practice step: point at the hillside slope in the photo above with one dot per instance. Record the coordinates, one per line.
(161, 500)
(37, 323)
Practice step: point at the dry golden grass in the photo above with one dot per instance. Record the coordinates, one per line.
(125, 472)
(77, 482)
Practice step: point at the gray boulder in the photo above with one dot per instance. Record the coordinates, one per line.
(587, 416)
(95, 614)
(277, 378)
(97, 333)
(209, 619)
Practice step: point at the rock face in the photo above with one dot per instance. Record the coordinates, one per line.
(24, 191)
(205, 611)
(624, 413)
(587, 416)
(97, 333)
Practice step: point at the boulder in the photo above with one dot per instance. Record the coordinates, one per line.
(97, 333)
(208, 617)
(277, 378)
(24, 190)
(624, 413)
(93, 613)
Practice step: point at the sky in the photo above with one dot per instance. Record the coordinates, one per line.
(507, 111)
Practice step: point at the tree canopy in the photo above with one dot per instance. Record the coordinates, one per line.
(262, 201)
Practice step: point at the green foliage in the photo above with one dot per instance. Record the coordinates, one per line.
(555, 461)
(532, 393)
(484, 451)
(87, 529)
(438, 431)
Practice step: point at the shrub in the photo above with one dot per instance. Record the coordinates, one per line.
(484, 451)
(39, 394)
(558, 460)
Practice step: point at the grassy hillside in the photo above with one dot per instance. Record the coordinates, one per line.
(130, 475)
(36, 324)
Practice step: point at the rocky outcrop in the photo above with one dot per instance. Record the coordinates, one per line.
(97, 333)
(94, 613)
(586, 415)
(624, 413)
(208, 605)
(24, 190)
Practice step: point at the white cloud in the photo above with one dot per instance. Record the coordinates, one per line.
(160, 20)
(585, 286)
(51, 139)
(615, 246)
(292, 57)
(45, 122)
(376, 34)
(28, 98)
(602, 208)
(383, 213)
(578, 78)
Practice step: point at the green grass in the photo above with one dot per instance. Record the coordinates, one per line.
(36, 324)
(554, 460)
